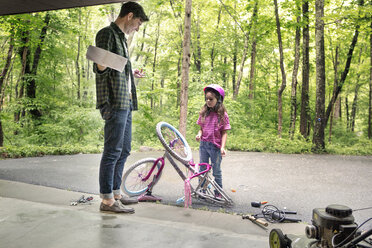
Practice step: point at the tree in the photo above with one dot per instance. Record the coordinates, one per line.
(30, 63)
(253, 67)
(346, 70)
(335, 68)
(245, 51)
(305, 109)
(318, 136)
(156, 46)
(213, 55)
(370, 87)
(356, 91)
(284, 79)
(198, 51)
(185, 68)
(77, 65)
(294, 74)
(2, 78)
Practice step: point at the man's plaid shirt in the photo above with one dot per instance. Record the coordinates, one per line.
(112, 85)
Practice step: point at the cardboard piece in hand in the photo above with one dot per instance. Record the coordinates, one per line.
(106, 58)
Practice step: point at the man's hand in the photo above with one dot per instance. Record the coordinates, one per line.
(101, 67)
(138, 73)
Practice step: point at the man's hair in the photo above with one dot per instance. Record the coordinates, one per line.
(135, 8)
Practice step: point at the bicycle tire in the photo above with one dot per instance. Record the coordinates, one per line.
(167, 134)
(207, 193)
(132, 183)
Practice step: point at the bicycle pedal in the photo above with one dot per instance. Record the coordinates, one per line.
(148, 198)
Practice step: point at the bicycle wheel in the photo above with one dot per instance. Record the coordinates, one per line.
(174, 142)
(133, 184)
(211, 192)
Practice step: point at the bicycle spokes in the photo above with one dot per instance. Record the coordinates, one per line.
(174, 141)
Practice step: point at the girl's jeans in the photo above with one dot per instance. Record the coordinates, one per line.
(208, 150)
(117, 147)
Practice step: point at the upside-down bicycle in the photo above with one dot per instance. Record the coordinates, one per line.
(140, 178)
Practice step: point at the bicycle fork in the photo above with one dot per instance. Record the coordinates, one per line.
(156, 176)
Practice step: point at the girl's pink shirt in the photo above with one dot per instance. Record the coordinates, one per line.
(212, 129)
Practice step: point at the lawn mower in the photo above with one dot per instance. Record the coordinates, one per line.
(331, 227)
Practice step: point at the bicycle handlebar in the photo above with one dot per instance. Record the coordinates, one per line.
(199, 173)
(153, 168)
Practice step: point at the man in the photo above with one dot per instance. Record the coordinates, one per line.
(116, 98)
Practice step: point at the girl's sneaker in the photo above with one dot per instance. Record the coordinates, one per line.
(218, 196)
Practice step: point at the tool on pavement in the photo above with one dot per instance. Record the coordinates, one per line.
(255, 220)
(258, 204)
(82, 199)
(273, 214)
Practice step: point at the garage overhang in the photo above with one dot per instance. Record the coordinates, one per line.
(10, 7)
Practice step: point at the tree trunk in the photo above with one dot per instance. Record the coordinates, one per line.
(24, 54)
(305, 109)
(235, 60)
(253, 68)
(246, 41)
(337, 113)
(197, 54)
(2, 77)
(77, 65)
(178, 81)
(284, 79)
(356, 91)
(335, 68)
(31, 87)
(143, 43)
(185, 68)
(176, 15)
(370, 87)
(77, 61)
(354, 106)
(347, 112)
(154, 62)
(240, 75)
(7, 65)
(224, 74)
(346, 70)
(294, 76)
(212, 51)
(318, 136)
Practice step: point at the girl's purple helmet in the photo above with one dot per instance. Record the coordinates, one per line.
(217, 88)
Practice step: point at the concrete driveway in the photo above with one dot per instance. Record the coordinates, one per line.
(293, 182)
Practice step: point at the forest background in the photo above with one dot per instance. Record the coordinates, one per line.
(262, 52)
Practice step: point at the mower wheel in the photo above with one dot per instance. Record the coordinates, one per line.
(277, 239)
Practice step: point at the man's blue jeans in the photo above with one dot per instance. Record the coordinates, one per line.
(117, 147)
(208, 150)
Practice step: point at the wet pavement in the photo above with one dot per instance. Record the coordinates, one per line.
(35, 195)
(38, 216)
(295, 182)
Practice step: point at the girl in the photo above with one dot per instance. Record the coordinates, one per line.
(214, 123)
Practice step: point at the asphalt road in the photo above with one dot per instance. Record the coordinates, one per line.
(293, 182)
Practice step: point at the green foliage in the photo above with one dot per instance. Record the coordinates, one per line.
(69, 122)
(72, 126)
(256, 142)
(362, 148)
(37, 151)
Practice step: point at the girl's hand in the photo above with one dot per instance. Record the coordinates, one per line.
(138, 73)
(198, 136)
(223, 152)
